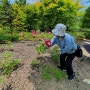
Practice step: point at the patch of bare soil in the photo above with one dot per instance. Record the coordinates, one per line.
(27, 78)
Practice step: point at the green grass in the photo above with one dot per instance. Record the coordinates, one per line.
(29, 36)
(8, 66)
(1, 79)
(8, 63)
(41, 48)
(52, 72)
(55, 53)
(35, 63)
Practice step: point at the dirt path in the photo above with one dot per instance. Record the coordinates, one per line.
(25, 78)
(86, 45)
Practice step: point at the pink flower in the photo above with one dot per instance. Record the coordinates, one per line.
(49, 32)
(33, 32)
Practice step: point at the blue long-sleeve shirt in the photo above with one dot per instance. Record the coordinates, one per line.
(67, 43)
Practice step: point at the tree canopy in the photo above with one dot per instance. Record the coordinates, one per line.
(86, 19)
(6, 14)
(43, 15)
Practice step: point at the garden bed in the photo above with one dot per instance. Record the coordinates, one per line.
(27, 78)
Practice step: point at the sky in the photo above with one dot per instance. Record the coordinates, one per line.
(84, 2)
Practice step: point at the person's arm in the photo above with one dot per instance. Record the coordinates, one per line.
(53, 41)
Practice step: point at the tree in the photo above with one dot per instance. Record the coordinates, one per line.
(33, 16)
(6, 14)
(60, 11)
(19, 17)
(20, 2)
(86, 19)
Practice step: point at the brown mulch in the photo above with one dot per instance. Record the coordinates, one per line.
(26, 78)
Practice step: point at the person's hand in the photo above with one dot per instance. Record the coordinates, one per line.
(48, 43)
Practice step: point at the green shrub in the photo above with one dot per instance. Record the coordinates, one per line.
(14, 38)
(74, 28)
(8, 66)
(55, 53)
(7, 37)
(8, 63)
(79, 35)
(87, 34)
(48, 36)
(41, 48)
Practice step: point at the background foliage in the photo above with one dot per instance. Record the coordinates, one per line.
(43, 15)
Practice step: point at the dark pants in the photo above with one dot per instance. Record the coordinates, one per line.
(66, 62)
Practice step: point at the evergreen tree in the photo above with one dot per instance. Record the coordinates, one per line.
(20, 2)
(86, 19)
(6, 14)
